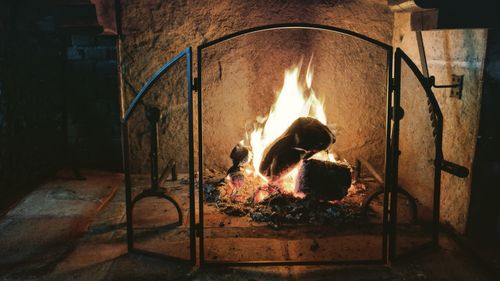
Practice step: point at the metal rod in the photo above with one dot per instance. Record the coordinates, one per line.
(371, 169)
(291, 263)
(446, 86)
(438, 163)
(421, 51)
(432, 80)
(153, 115)
(357, 171)
(388, 165)
(192, 212)
(299, 26)
(395, 155)
(128, 184)
(118, 18)
(174, 172)
(159, 194)
(137, 99)
(200, 228)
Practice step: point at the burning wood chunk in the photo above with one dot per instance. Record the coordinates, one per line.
(305, 137)
(240, 155)
(324, 180)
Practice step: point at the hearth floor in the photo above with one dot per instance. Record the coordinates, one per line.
(96, 249)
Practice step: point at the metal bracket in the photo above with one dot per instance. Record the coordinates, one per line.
(456, 80)
(197, 230)
(456, 87)
(454, 169)
(195, 84)
(400, 113)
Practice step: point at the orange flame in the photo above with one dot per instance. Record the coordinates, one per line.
(292, 103)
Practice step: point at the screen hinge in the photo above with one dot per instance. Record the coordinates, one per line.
(197, 230)
(195, 84)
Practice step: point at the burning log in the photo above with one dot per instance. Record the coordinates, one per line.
(305, 137)
(324, 180)
(240, 155)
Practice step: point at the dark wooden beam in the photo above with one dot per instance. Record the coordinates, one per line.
(447, 14)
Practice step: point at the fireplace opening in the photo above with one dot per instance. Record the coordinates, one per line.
(287, 118)
(285, 171)
(287, 154)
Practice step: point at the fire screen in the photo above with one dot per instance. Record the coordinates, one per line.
(159, 185)
(295, 130)
(282, 127)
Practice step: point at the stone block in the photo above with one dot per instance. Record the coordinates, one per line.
(82, 66)
(74, 53)
(82, 40)
(112, 54)
(109, 41)
(106, 67)
(95, 53)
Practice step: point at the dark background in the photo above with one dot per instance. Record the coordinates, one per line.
(59, 102)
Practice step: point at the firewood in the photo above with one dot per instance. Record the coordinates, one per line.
(305, 137)
(324, 180)
(240, 155)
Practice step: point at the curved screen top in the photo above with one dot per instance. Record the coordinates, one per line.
(295, 26)
(138, 97)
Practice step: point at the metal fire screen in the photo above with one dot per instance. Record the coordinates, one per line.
(389, 183)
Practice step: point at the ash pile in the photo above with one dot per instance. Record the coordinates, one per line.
(281, 209)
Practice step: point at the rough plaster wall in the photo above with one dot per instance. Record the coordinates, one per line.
(448, 52)
(170, 95)
(154, 31)
(240, 86)
(241, 79)
(351, 75)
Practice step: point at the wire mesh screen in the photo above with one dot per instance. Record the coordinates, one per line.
(416, 165)
(242, 81)
(158, 138)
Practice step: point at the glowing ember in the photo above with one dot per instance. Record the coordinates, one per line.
(294, 101)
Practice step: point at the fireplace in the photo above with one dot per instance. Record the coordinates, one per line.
(287, 154)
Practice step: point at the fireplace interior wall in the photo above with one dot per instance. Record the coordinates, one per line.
(460, 52)
(243, 83)
(155, 31)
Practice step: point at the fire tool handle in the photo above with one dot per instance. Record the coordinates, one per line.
(454, 169)
(153, 114)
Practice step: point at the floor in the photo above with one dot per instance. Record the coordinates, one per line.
(75, 230)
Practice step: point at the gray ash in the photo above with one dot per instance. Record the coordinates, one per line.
(280, 209)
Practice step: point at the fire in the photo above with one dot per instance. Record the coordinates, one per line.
(294, 100)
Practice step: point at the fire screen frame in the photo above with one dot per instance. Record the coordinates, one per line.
(126, 160)
(387, 183)
(390, 188)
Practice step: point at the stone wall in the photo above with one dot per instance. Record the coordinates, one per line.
(241, 77)
(448, 52)
(93, 127)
